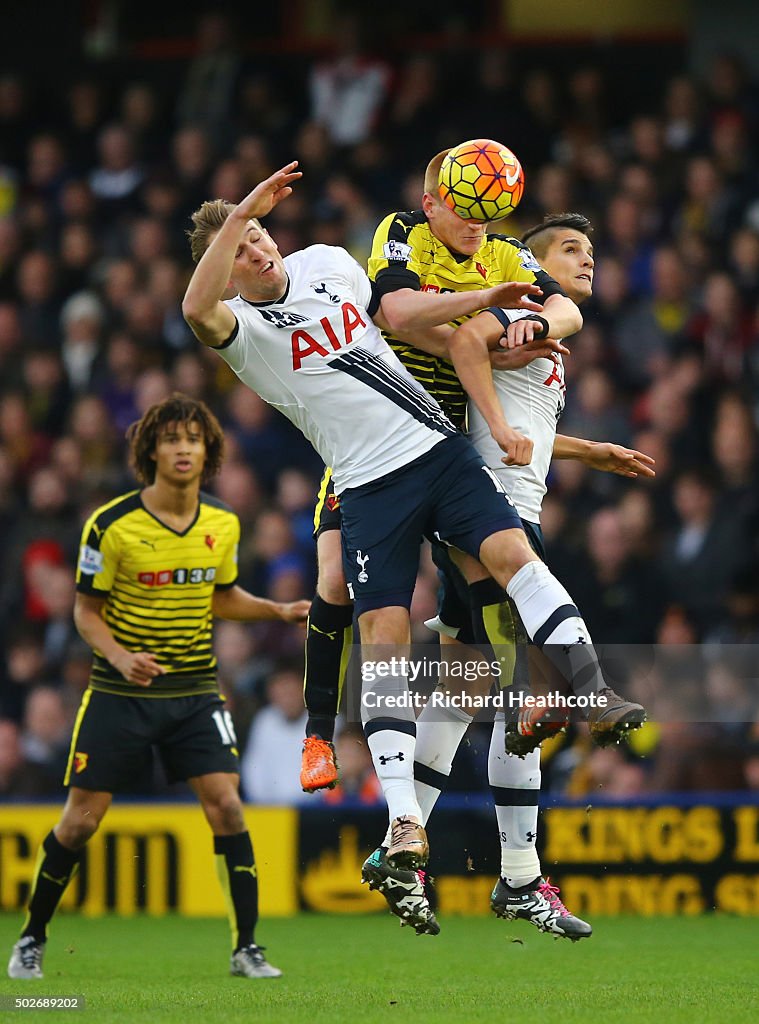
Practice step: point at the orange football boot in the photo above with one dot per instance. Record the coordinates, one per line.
(318, 766)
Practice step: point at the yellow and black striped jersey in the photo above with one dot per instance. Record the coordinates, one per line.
(406, 254)
(158, 587)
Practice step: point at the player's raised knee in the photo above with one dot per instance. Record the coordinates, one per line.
(504, 553)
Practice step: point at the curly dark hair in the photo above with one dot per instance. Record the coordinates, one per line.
(143, 435)
(539, 242)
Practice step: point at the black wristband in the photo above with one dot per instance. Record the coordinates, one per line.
(543, 333)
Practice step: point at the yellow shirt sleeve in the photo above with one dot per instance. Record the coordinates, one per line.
(226, 575)
(517, 262)
(393, 252)
(98, 558)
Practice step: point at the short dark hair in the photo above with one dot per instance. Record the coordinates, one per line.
(143, 435)
(573, 221)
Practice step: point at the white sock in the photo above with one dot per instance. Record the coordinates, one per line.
(515, 785)
(556, 626)
(439, 732)
(393, 757)
(538, 594)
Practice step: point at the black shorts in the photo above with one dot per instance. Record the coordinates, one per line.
(453, 597)
(447, 493)
(453, 592)
(112, 746)
(327, 512)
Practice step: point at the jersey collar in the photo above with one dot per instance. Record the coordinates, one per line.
(177, 533)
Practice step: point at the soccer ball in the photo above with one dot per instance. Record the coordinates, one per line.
(481, 180)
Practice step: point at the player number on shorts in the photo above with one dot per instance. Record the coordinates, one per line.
(226, 728)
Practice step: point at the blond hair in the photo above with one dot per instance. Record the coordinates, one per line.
(209, 219)
(432, 173)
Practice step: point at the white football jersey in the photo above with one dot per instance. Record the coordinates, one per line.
(317, 357)
(532, 400)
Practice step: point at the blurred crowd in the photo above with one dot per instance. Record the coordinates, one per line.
(97, 183)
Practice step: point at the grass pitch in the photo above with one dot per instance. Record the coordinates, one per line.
(366, 969)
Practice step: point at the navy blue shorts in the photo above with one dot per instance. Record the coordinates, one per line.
(448, 493)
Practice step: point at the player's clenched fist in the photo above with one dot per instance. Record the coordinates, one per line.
(296, 611)
(517, 447)
(138, 667)
(521, 332)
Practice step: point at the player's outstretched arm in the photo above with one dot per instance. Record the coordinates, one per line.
(434, 340)
(136, 667)
(241, 606)
(406, 310)
(469, 352)
(269, 193)
(603, 455)
(211, 321)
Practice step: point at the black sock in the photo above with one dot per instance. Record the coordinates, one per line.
(322, 726)
(486, 598)
(327, 642)
(56, 865)
(236, 868)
